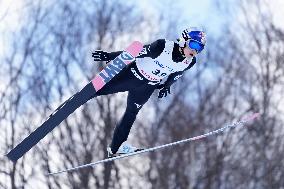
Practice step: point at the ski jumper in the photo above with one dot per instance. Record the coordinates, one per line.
(158, 60)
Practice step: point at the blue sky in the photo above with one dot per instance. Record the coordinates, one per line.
(201, 13)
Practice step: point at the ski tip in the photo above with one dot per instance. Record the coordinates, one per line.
(256, 115)
(137, 43)
(251, 117)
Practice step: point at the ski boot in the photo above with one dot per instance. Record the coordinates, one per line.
(123, 149)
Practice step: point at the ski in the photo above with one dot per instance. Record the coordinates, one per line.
(74, 102)
(221, 130)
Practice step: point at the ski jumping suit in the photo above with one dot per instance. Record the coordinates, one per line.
(156, 61)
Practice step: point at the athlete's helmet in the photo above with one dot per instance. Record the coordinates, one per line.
(193, 38)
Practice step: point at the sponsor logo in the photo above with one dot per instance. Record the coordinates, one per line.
(118, 64)
(137, 105)
(186, 61)
(144, 51)
(202, 36)
(177, 77)
(163, 66)
(148, 76)
(135, 74)
(152, 83)
(159, 64)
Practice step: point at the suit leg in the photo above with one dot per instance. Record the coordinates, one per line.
(136, 99)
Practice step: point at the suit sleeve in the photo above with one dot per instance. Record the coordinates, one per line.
(175, 76)
(153, 50)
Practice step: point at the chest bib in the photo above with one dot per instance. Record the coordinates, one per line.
(162, 66)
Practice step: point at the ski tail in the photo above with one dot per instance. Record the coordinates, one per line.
(61, 113)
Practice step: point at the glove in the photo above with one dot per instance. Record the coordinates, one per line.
(99, 55)
(164, 91)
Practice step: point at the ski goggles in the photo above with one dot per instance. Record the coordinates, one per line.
(195, 45)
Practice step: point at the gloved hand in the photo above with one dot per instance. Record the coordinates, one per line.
(164, 91)
(99, 55)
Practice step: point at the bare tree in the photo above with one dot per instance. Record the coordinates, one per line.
(49, 60)
(52, 45)
(247, 77)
